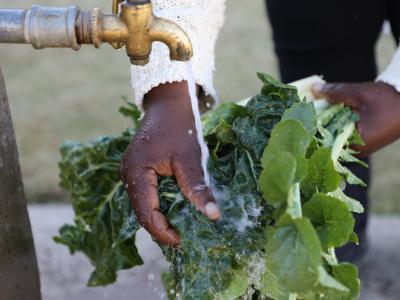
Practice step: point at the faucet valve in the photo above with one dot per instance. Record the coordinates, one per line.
(134, 26)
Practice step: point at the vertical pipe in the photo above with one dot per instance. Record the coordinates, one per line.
(19, 275)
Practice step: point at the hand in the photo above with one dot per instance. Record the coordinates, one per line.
(165, 145)
(378, 105)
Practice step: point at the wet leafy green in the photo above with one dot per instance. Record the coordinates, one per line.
(322, 175)
(331, 218)
(277, 166)
(276, 180)
(295, 253)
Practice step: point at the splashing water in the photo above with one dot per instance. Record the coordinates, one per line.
(196, 113)
(240, 212)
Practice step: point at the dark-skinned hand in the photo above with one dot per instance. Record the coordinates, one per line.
(378, 105)
(165, 145)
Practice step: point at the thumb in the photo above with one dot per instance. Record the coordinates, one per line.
(336, 93)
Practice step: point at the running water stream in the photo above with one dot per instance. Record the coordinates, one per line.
(199, 129)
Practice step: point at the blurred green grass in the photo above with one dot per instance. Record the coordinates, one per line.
(58, 95)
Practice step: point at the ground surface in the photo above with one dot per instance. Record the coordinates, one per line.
(57, 95)
(64, 276)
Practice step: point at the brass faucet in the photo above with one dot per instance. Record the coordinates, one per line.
(132, 24)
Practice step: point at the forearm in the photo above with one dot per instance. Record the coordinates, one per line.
(202, 20)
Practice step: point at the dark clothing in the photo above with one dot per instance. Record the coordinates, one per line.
(335, 39)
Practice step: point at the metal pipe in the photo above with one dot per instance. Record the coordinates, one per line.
(52, 27)
(12, 26)
(43, 27)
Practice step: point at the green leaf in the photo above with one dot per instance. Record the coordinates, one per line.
(327, 137)
(72, 236)
(224, 133)
(327, 281)
(341, 120)
(237, 287)
(270, 286)
(331, 218)
(169, 284)
(249, 136)
(105, 226)
(277, 178)
(322, 175)
(271, 85)
(304, 113)
(294, 255)
(352, 204)
(356, 139)
(330, 260)
(342, 284)
(326, 117)
(341, 140)
(131, 111)
(294, 202)
(351, 178)
(354, 238)
(226, 113)
(347, 156)
(347, 274)
(289, 136)
(312, 148)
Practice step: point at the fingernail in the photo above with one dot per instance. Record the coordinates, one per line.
(212, 211)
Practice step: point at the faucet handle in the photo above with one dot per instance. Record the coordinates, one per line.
(115, 11)
(115, 6)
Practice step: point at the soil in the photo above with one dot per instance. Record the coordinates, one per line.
(64, 277)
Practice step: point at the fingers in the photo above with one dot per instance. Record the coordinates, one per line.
(142, 189)
(337, 93)
(191, 181)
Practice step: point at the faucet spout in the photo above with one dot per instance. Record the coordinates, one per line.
(178, 42)
(144, 28)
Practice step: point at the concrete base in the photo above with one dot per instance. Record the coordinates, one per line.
(64, 277)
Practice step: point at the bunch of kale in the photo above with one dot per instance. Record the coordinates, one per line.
(277, 171)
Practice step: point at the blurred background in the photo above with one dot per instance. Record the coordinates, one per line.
(58, 95)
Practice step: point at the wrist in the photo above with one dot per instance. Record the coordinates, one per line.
(169, 105)
(175, 94)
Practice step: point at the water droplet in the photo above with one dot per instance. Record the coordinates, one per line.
(151, 277)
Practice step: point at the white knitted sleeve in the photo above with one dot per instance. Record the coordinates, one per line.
(391, 75)
(202, 20)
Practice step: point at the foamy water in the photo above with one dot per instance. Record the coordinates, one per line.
(197, 119)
